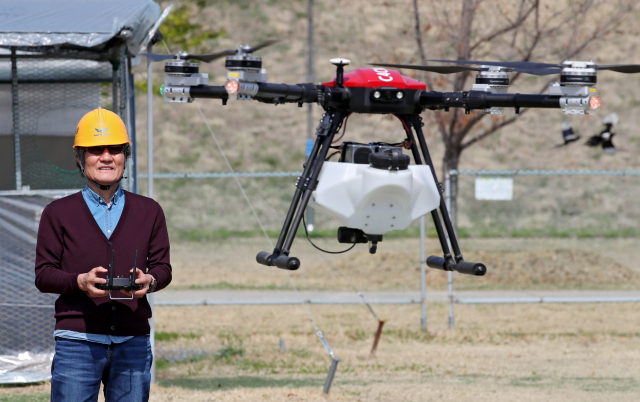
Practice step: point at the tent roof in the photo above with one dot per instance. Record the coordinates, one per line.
(75, 23)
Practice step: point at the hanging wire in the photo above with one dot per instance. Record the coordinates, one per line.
(325, 343)
(324, 251)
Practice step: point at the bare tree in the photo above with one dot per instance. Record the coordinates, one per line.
(517, 30)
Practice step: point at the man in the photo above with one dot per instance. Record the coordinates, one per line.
(100, 339)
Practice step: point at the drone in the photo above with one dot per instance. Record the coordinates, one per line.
(373, 188)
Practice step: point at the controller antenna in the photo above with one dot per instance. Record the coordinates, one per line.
(340, 63)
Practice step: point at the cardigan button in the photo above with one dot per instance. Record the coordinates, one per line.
(113, 327)
(113, 308)
(109, 243)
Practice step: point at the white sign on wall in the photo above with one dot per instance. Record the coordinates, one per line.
(494, 188)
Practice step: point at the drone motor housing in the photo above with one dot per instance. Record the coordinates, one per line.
(577, 87)
(244, 72)
(494, 80)
(180, 76)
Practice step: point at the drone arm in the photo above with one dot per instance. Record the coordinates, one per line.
(484, 100)
(306, 93)
(208, 92)
(473, 100)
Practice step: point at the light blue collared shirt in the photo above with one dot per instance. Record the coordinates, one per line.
(107, 217)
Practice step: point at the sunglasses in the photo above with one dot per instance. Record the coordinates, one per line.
(113, 149)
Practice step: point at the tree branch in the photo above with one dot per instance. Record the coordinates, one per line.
(423, 58)
(491, 130)
(504, 30)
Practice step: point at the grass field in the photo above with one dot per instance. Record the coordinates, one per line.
(586, 352)
(496, 353)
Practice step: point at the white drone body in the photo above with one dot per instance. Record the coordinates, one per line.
(375, 200)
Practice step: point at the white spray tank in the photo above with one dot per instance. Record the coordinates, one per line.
(378, 197)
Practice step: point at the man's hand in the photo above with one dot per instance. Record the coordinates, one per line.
(87, 282)
(141, 279)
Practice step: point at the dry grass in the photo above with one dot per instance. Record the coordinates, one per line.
(512, 263)
(499, 353)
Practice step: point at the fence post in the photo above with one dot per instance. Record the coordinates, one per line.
(150, 297)
(16, 118)
(423, 276)
(332, 372)
(447, 200)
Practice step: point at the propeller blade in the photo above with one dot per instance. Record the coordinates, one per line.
(539, 71)
(433, 69)
(525, 65)
(207, 58)
(266, 43)
(157, 57)
(622, 68)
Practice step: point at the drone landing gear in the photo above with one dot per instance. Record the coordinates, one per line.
(446, 263)
(308, 181)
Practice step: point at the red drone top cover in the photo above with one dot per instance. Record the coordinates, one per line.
(377, 77)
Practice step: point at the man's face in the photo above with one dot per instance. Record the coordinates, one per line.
(104, 168)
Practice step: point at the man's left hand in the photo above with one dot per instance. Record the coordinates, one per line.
(141, 279)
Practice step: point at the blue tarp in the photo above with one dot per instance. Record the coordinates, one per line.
(75, 23)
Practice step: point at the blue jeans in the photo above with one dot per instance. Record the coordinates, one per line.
(79, 366)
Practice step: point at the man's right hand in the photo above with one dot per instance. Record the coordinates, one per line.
(87, 282)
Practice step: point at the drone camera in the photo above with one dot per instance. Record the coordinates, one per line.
(354, 152)
(350, 236)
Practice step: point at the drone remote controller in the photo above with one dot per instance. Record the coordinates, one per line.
(120, 282)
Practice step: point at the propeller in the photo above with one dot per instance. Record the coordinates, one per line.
(433, 69)
(544, 68)
(207, 58)
(458, 69)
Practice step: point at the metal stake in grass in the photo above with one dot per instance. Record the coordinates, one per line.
(377, 338)
(282, 348)
(331, 374)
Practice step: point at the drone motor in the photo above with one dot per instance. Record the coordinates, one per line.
(181, 75)
(493, 79)
(244, 72)
(577, 87)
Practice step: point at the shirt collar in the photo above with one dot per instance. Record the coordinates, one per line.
(95, 198)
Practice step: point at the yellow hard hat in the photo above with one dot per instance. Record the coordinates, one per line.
(101, 127)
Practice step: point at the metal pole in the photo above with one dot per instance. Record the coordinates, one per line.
(453, 209)
(16, 118)
(310, 78)
(134, 138)
(331, 374)
(447, 200)
(423, 276)
(127, 108)
(114, 86)
(150, 189)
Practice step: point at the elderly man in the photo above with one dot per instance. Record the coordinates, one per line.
(101, 336)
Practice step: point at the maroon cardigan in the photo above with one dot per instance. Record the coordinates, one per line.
(70, 242)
